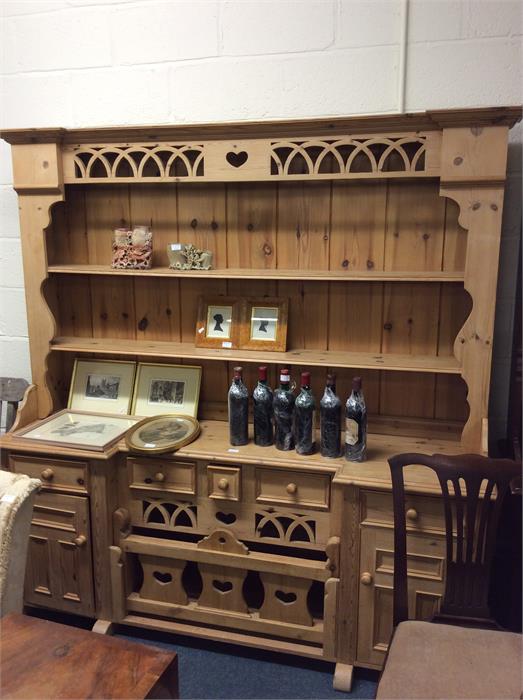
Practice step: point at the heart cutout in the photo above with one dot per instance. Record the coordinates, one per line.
(286, 598)
(237, 159)
(225, 518)
(162, 577)
(222, 586)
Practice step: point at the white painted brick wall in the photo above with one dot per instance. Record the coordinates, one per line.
(77, 63)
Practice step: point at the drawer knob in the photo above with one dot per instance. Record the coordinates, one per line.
(47, 474)
(159, 476)
(366, 578)
(291, 488)
(223, 484)
(412, 514)
(80, 540)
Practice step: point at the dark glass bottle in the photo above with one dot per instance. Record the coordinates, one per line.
(262, 402)
(283, 406)
(304, 417)
(330, 420)
(356, 424)
(238, 410)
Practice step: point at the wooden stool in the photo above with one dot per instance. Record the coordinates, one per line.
(42, 659)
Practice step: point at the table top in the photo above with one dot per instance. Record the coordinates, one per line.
(43, 659)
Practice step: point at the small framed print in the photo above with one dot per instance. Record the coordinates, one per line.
(102, 386)
(79, 430)
(218, 323)
(166, 389)
(264, 324)
(159, 434)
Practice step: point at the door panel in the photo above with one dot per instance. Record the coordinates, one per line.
(425, 568)
(59, 570)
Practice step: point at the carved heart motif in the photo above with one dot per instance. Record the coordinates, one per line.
(226, 518)
(222, 586)
(162, 577)
(286, 598)
(237, 159)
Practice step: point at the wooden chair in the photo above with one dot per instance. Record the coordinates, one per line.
(11, 393)
(460, 658)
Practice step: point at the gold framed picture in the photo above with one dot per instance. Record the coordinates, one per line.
(159, 434)
(218, 322)
(102, 386)
(79, 430)
(166, 389)
(264, 324)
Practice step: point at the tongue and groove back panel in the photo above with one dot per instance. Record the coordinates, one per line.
(327, 227)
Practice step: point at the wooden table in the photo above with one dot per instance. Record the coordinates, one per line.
(42, 659)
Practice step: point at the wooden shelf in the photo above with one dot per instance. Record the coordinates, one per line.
(272, 274)
(310, 358)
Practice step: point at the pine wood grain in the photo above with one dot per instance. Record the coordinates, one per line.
(251, 227)
(358, 227)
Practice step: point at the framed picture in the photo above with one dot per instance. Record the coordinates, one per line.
(79, 429)
(166, 389)
(218, 323)
(102, 386)
(162, 434)
(264, 324)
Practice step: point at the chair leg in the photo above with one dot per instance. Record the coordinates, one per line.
(343, 677)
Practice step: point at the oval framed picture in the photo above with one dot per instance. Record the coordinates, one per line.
(164, 433)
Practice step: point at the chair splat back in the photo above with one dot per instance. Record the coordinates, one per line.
(473, 489)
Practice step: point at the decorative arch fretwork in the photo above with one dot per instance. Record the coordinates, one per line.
(169, 515)
(377, 154)
(158, 161)
(286, 527)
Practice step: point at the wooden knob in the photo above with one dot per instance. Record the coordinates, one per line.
(291, 488)
(223, 484)
(412, 514)
(47, 474)
(80, 540)
(366, 578)
(159, 476)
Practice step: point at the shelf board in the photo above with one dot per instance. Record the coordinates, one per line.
(308, 358)
(241, 273)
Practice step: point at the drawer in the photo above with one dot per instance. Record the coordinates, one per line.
(54, 473)
(288, 487)
(224, 483)
(424, 514)
(162, 475)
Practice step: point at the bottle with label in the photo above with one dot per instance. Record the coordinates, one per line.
(262, 407)
(330, 420)
(238, 410)
(283, 406)
(304, 417)
(356, 424)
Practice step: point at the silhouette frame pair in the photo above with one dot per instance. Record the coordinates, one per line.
(250, 324)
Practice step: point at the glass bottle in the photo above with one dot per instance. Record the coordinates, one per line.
(304, 417)
(238, 410)
(283, 406)
(330, 420)
(262, 398)
(356, 424)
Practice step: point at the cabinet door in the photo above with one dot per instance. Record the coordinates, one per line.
(425, 568)
(59, 570)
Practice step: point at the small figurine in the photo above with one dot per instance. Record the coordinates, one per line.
(132, 250)
(187, 257)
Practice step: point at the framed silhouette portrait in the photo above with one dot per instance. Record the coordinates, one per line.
(218, 324)
(264, 324)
